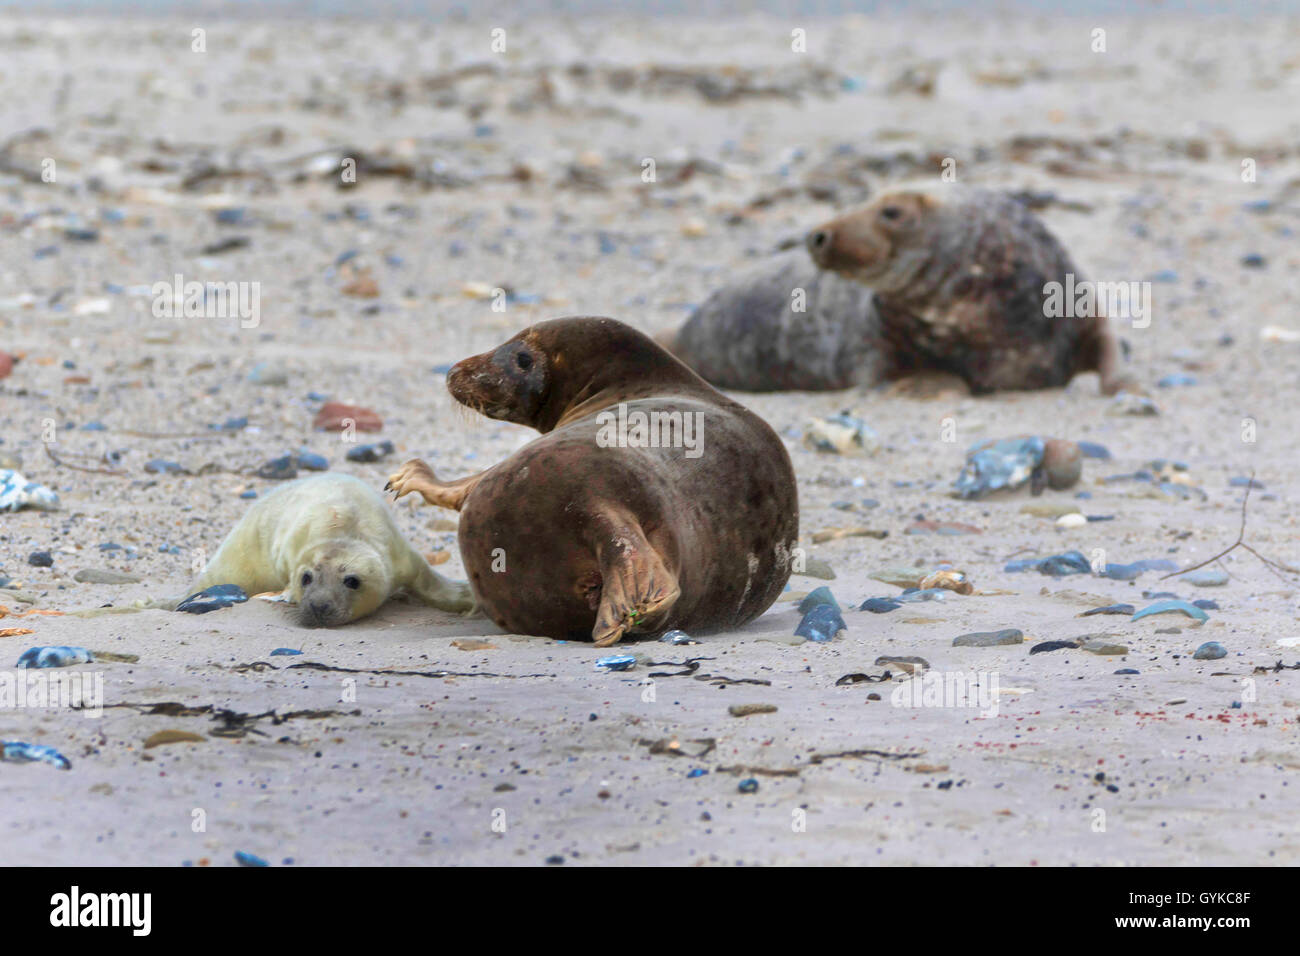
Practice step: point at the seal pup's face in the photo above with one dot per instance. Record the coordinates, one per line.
(339, 583)
(867, 243)
(509, 383)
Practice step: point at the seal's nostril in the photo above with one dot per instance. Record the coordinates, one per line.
(818, 240)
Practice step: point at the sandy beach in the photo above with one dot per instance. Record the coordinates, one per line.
(497, 188)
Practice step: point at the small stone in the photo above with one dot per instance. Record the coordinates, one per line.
(1102, 646)
(285, 652)
(370, 453)
(1047, 646)
(335, 417)
(1210, 651)
(105, 576)
(821, 595)
(268, 373)
(900, 577)
(1206, 577)
(880, 605)
(310, 461)
(362, 287)
(1128, 670)
(817, 568)
(821, 623)
(1125, 609)
(908, 664)
(990, 638)
(749, 785)
(1074, 520)
(279, 469)
(1056, 565)
(1172, 607)
(1127, 403)
(746, 710)
(41, 559)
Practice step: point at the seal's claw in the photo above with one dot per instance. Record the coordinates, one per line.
(415, 475)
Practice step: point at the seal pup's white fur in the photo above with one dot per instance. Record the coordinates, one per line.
(330, 542)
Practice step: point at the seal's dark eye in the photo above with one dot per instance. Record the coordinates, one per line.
(892, 213)
(306, 578)
(352, 581)
(524, 361)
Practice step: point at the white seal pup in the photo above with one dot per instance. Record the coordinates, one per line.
(330, 542)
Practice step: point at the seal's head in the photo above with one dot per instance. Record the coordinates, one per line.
(869, 243)
(566, 368)
(339, 582)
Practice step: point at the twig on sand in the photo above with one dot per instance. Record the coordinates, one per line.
(1275, 566)
(67, 464)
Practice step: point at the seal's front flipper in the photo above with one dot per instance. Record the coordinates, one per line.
(416, 476)
(637, 589)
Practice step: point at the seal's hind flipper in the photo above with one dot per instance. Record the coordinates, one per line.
(431, 588)
(417, 476)
(637, 589)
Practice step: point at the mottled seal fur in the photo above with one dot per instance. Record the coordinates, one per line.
(595, 530)
(949, 278)
(330, 542)
(784, 325)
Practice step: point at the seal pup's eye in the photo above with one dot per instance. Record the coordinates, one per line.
(352, 581)
(892, 213)
(524, 361)
(306, 578)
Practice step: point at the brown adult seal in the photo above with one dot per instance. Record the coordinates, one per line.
(652, 501)
(951, 279)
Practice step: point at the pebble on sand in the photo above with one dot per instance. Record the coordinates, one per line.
(370, 453)
(1103, 646)
(1008, 635)
(1047, 646)
(821, 623)
(1172, 607)
(1210, 651)
(1125, 609)
(821, 595)
(335, 417)
(1206, 577)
